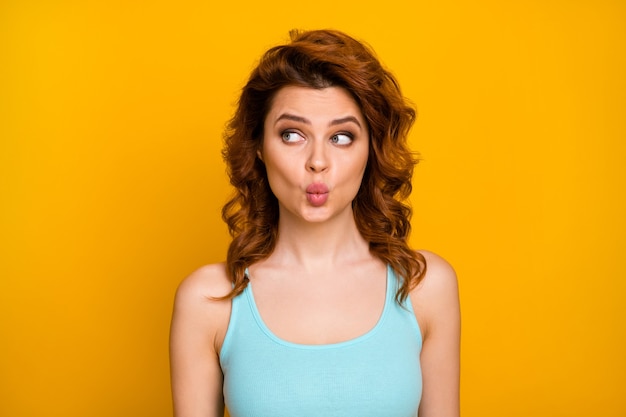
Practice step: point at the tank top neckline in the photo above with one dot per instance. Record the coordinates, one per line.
(389, 299)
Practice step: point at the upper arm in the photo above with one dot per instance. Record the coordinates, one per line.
(436, 303)
(197, 330)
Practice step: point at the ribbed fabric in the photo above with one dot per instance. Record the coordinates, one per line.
(377, 374)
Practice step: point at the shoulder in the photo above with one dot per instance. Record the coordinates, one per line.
(436, 297)
(197, 332)
(197, 307)
(206, 282)
(440, 275)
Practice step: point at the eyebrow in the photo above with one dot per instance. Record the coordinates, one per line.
(287, 116)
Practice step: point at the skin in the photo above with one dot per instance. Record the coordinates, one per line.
(313, 136)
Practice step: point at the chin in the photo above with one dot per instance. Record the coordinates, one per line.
(316, 214)
(316, 218)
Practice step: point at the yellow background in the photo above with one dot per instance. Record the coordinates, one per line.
(111, 180)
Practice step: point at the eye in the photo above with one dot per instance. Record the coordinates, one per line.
(290, 136)
(341, 139)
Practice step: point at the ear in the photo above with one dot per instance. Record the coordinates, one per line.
(259, 154)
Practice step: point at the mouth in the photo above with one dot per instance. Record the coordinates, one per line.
(317, 194)
(317, 188)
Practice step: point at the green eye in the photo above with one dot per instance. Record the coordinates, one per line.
(291, 137)
(341, 139)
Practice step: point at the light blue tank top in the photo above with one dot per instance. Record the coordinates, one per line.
(376, 374)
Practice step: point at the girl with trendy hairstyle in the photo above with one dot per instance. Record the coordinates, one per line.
(321, 308)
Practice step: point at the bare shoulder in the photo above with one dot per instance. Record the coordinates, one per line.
(436, 297)
(196, 306)
(198, 328)
(440, 275)
(207, 282)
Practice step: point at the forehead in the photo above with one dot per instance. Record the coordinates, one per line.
(315, 104)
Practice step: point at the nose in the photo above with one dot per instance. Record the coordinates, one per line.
(318, 159)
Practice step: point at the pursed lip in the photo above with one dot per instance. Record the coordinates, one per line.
(317, 194)
(317, 188)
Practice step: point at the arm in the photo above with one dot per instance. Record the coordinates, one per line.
(197, 331)
(436, 303)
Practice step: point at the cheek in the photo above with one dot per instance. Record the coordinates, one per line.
(279, 174)
(354, 172)
(359, 164)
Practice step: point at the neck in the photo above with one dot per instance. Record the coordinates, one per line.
(319, 245)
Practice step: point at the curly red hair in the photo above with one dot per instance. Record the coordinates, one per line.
(319, 59)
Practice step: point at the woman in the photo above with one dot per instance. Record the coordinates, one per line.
(321, 308)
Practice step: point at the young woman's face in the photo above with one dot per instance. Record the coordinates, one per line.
(315, 150)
